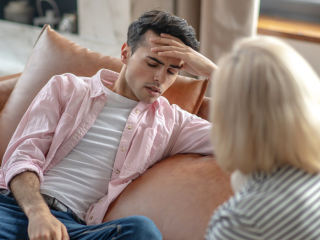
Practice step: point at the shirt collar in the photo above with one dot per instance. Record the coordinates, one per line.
(108, 76)
(96, 85)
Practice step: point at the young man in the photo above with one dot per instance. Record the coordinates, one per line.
(82, 141)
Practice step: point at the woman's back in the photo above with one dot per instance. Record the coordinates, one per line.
(282, 205)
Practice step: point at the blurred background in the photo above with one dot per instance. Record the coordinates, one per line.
(101, 25)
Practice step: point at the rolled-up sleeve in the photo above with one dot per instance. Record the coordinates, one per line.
(32, 139)
(191, 134)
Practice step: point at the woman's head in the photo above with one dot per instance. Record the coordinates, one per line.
(266, 108)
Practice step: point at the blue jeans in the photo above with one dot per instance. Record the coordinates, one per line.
(14, 225)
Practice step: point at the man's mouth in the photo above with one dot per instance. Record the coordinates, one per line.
(154, 89)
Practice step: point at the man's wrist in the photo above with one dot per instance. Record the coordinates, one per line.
(37, 210)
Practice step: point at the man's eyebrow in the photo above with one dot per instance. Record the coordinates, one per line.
(158, 61)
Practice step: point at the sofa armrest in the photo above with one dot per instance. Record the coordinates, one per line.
(204, 109)
(9, 77)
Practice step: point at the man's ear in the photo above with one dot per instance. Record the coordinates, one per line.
(125, 53)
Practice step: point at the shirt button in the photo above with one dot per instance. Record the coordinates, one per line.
(129, 127)
(117, 172)
(137, 111)
(123, 149)
(91, 217)
(100, 201)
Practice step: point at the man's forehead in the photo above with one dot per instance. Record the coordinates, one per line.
(173, 62)
(146, 38)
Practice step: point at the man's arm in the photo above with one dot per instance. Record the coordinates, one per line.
(194, 132)
(42, 224)
(25, 158)
(192, 135)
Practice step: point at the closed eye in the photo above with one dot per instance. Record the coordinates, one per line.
(150, 65)
(170, 72)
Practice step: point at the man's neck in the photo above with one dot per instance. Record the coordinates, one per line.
(121, 87)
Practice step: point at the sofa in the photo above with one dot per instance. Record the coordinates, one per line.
(179, 193)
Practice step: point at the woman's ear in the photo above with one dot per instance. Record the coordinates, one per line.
(125, 53)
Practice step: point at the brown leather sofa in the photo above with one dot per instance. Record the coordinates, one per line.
(180, 193)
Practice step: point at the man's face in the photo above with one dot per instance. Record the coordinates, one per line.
(148, 75)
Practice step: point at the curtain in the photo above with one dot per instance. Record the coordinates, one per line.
(219, 23)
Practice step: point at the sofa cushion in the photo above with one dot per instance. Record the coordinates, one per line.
(53, 55)
(7, 84)
(179, 194)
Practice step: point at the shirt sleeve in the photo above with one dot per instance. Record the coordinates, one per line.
(191, 134)
(33, 136)
(230, 224)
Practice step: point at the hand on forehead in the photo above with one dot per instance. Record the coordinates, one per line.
(166, 45)
(162, 43)
(196, 64)
(167, 39)
(164, 40)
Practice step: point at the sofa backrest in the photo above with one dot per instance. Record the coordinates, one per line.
(54, 55)
(7, 84)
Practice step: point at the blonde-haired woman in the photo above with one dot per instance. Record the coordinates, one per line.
(266, 125)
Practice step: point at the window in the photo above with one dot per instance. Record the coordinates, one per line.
(304, 10)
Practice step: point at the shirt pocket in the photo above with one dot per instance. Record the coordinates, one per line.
(142, 153)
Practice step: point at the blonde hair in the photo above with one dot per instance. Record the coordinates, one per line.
(265, 108)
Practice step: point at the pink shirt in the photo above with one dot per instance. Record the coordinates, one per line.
(66, 108)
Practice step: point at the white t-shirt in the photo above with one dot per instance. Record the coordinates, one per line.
(82, 177)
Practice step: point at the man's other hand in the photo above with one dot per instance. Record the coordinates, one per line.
(44, 226)
(194, 63)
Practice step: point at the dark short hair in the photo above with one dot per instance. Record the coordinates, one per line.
(161, 22)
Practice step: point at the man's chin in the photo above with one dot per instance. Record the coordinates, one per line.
(149, 100)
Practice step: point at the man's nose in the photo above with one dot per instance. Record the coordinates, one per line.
(161, 76)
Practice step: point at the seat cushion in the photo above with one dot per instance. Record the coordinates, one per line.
(179, 194)
(53, 55)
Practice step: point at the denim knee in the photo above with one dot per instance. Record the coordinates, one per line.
(144, 228)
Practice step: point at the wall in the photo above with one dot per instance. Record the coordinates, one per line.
(104, 20)
(108, 20)
(140, 6)
(310, 51)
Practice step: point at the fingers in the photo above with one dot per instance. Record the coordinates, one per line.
(175, 54)
(165, 35)
(56, 235)
(49, 228)
(169, 48)
(48, 235)
(65, 235)
(173, 51)
(168, 41)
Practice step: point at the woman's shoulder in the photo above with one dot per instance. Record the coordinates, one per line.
(269, 205)
(268, 193)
